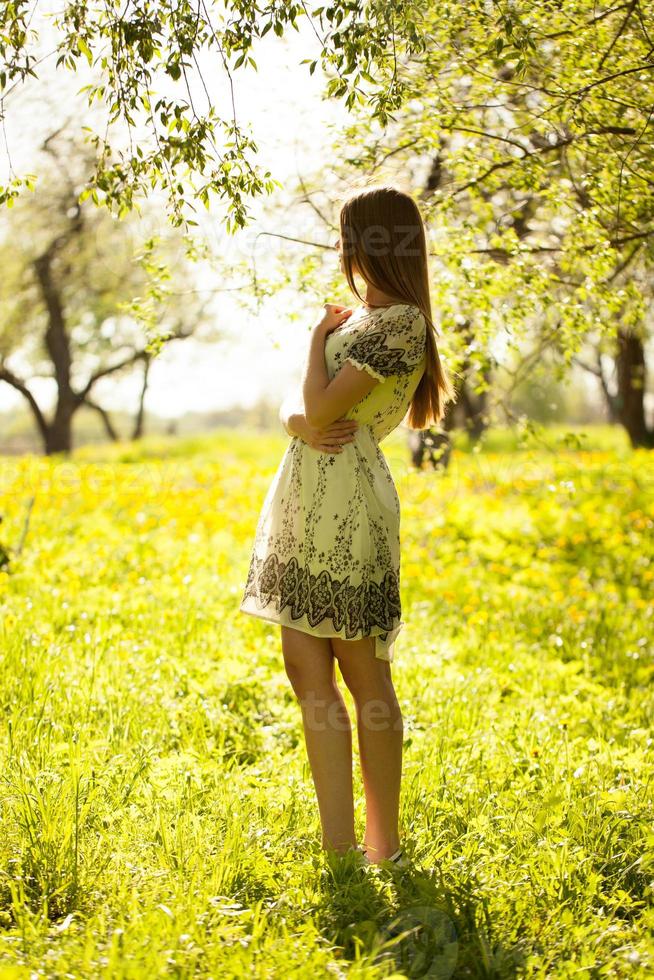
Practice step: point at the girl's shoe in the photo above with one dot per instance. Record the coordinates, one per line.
(398, 859)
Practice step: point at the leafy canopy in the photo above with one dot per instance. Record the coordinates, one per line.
(145, 57)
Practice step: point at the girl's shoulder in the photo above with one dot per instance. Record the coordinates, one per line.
(399, 318)
(386, 315)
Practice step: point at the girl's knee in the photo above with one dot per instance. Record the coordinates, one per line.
(310, 677)
(374, 696)
(298, 674)
(366, 676)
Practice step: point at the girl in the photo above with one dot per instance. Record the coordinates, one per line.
(326, 558)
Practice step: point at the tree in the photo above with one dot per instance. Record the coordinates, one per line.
(73, 298)
(529, 120)
(532, 123)
(146, 57)
(532, 167)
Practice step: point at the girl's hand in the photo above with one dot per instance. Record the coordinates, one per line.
(333, 317)
(331, 439)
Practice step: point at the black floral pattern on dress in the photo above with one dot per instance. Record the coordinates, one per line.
(389, 346)
(356, 609)
(373, 350)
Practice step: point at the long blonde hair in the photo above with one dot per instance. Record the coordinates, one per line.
(396, 263)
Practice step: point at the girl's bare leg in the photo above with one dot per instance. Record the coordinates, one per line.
(310, 666)
(380, 734)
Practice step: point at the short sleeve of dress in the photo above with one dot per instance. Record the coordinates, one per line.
(393, 342)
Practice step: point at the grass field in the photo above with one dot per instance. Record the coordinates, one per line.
(157, 812)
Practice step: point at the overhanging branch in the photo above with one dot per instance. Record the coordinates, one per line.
(11, 379)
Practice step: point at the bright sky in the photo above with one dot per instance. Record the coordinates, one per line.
(262, 355)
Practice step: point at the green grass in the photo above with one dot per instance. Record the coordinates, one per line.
(157, 810)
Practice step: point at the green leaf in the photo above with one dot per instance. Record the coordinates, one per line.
(84, 48)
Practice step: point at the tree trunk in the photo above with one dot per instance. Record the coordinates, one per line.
(630, 399)
(436, 443)
(474, 410)
(611, 405)
(472, 405)
(59, 432)
(139, 423)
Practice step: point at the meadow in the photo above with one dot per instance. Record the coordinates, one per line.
(157, 811)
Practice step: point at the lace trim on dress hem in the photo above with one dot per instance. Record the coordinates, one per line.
(366, 367)
(355, 609)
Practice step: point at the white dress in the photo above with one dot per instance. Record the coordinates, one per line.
(326, 555)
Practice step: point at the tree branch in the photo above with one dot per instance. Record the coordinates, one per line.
(133, 358)
(503, 164)
(11, 379)
(106, 418)
(648, 66)
(582, 27)
(82, 395)
(560, 144)
(619, 32)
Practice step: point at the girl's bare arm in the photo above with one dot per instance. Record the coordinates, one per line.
(291, 412)
(331, 439)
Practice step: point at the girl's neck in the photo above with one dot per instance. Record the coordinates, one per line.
(375, 297)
